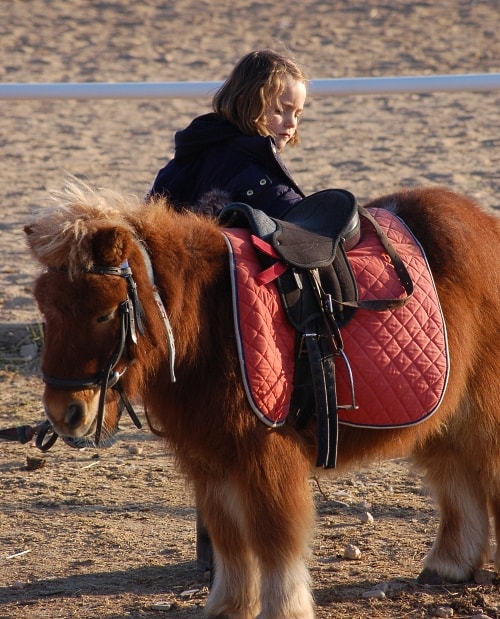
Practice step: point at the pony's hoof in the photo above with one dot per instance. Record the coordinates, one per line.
(429, 577)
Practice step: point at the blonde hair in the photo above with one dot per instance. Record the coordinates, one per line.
(256, 80)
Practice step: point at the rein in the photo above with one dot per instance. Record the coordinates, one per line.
(132, 319)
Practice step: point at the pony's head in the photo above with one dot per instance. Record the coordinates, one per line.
(89, 302)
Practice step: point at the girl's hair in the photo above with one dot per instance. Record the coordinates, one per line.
(257, 79)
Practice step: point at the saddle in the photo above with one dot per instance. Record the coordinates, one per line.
(305, 253)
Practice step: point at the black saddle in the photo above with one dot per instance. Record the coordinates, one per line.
(313, 235)
(318, 292)
(309, 233)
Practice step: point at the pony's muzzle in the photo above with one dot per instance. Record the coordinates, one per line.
(70, 414)
(74, 415)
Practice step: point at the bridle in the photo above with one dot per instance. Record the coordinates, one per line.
(132, 319)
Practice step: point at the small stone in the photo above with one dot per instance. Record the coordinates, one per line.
(484, 577)
(161, 606)
(374, 594)
(444, 611)
(351, 552)
(18, 585)
(28, 351)
(189, 593)
(366, 518)
(33, 463)
(135, 450)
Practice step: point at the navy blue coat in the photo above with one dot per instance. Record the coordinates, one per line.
(211, 155)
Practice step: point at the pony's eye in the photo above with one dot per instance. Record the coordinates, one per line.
(106, 317)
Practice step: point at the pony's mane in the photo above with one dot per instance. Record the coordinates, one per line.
(60, 235)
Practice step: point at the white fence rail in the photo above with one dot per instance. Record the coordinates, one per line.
(478, 82)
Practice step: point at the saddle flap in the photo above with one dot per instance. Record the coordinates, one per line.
(302, 248)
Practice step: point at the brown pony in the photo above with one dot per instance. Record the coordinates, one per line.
(250, 480)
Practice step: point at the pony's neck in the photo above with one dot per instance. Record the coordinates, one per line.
(191, 271)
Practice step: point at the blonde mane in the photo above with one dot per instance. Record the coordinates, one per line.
(61, 233)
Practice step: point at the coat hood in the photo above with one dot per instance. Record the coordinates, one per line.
(203, 132)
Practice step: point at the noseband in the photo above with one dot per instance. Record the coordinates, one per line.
(132, 318)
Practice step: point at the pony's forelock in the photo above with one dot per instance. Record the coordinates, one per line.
(61, 233)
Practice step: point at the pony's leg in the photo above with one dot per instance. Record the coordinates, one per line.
(235, 588)
(461, 545)
(280, 530)
(286, 593)
(260, 521)
(272, 561)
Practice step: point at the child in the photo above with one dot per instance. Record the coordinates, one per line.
(233, 153)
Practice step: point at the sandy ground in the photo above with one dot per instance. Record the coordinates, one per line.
(110, 534)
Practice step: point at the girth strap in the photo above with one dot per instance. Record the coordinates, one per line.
(323, 381)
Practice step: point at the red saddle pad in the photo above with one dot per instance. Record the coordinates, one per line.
(398, 358)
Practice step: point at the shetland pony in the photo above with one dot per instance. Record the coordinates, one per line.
(107, 258)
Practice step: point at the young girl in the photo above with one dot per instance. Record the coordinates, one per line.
(233, 153)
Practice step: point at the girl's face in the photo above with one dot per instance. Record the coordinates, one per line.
(283, 113)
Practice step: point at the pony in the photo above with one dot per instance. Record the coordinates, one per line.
(137, 294)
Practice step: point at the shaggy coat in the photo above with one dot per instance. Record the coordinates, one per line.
(251, 481)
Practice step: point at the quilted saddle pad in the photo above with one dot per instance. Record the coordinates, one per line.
(398, 358)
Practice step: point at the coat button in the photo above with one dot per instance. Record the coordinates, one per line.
(262, 181)
(250, 192)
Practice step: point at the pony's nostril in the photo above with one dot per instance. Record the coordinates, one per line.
(74, 415)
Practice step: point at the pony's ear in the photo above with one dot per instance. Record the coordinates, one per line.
(111, 245)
